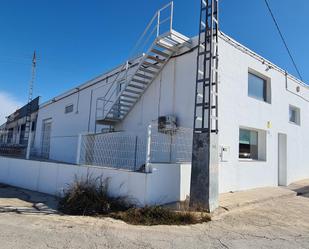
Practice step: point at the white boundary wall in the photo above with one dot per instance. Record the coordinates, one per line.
(168, 183)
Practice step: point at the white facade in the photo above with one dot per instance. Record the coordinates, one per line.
(172, 93)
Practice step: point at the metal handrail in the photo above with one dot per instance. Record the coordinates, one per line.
(157, 17)
(157, 20)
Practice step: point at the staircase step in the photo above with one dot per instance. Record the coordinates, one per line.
(111, 120)
(150, 57)
(156, 51)
(129, 96)
(113, 112)
(144, 82)
(165, 47)
(122, 105)
(148, 71)
(143, 76)
(121, 108)
(132, 91)
(136, 86)
(127, 101)
(148, 64)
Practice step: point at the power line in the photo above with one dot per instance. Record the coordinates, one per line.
(283, 40)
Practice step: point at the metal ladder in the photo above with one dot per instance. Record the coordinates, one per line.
(206, 95)
(204, 182)
(128, 88)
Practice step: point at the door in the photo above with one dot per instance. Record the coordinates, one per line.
(46, 132)
(282, 159)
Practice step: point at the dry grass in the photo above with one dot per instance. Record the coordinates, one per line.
(157, 215)
(90, 197)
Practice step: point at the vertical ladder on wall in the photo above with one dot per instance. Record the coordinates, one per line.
(204, 178)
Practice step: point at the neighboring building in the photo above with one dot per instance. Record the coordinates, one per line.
(263, 118)
(3, 133)
(13, 131)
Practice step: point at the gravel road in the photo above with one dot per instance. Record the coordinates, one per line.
(281, 223)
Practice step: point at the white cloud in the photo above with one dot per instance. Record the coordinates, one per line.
(8, 105)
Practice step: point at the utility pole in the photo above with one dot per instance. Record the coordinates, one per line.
(28, 134)
(205, 154)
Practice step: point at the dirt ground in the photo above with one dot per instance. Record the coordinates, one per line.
(280, 223)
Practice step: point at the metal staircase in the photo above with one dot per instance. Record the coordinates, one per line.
(161, 42)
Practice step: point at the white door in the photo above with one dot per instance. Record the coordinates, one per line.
(282, 159)
(46, 132)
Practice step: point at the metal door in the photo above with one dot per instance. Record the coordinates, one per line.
(282, 159)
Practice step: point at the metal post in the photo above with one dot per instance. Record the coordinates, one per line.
(79, 147)
(158, 24)
(172, 16)
(148, 152)
(135, 152)
(29, 144)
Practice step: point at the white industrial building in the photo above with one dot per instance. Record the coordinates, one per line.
(263, 118)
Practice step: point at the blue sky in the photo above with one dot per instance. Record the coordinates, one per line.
(77, 40)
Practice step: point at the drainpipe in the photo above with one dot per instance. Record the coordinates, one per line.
(90, 108)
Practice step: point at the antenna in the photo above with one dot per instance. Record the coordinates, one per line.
(27, 137)
(30, 96)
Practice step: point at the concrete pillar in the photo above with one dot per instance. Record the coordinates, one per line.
(204, 193)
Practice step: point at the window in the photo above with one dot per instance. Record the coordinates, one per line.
(68, 109)
(258, 88)
(252, 144)
(33, 126)
(294, 115)
(248, 144)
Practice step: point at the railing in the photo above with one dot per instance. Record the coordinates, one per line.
(116, 150)
(136, 151)
(12, 150)
(160, 24)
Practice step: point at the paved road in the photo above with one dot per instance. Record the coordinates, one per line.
(281, 223)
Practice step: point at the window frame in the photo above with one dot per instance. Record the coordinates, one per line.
(297, 116)
(266, 86)
(250, 144)
(261, 145)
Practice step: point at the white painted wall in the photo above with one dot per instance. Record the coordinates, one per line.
(237, 109)
(160, 187)
(173, 93)
(66, 127)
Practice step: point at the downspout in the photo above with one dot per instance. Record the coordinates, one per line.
(77, 104)
(90, 107)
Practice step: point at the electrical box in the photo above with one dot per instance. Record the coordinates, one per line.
(167, 124)
(225, 153)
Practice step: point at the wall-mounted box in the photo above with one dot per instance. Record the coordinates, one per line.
(225, 153)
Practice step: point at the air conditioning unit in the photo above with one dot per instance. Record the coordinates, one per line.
(167, 124)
